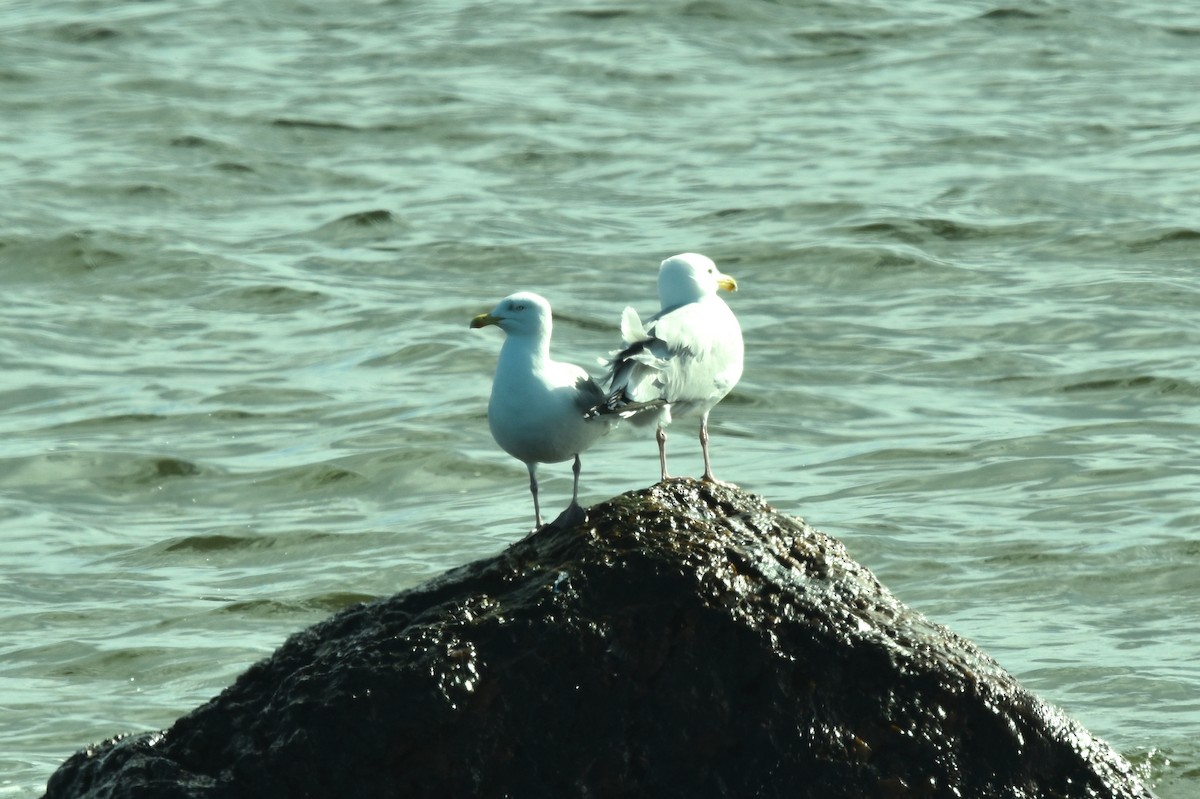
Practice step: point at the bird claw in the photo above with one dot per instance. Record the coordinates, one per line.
(573, 516)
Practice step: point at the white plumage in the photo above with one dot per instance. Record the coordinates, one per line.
(684, 359)
(537, 407)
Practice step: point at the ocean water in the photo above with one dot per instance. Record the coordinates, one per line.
(240, 244)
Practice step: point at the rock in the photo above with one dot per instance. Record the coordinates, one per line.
(686, 641)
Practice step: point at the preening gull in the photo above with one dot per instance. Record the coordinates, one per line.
(536, 411)
(684, 360)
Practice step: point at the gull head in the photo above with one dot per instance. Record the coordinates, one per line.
(690, 277)
(520, 314)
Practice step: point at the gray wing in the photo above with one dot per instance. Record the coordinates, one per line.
(588, 395)
(684, 355)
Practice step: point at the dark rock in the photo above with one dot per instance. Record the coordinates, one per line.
(686, 641)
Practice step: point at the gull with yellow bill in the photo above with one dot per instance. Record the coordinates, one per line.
(537, 410)
(683, 360)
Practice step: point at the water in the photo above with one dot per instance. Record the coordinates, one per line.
(241, 242)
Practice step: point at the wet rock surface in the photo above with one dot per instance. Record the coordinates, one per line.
(686, 641)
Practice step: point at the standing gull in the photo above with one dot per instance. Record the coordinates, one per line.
(536, 411)
(684, 360)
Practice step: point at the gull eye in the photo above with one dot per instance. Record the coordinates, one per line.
(518, 307)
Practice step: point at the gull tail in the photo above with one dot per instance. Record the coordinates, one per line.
(617, 403)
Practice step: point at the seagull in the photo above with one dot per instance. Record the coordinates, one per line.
(537, 407)
(683, 360)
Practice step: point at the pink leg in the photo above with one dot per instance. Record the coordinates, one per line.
(661, 437)
(575, 490)
(537, 510)
(708, 475)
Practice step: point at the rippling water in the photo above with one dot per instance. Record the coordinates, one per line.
(241, 242)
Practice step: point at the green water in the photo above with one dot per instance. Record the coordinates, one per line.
(240, 245)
